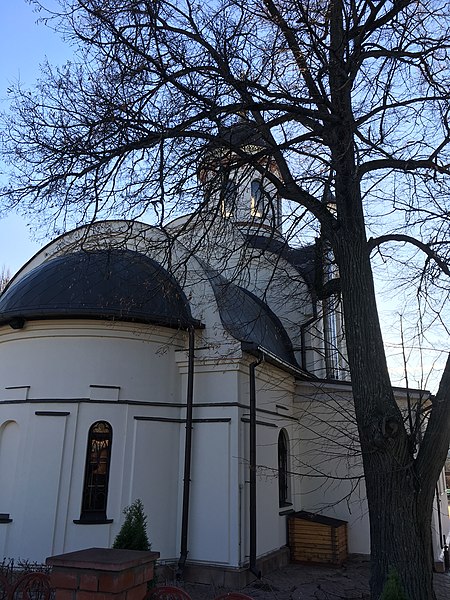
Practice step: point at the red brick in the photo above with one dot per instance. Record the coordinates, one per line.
(102, 559)
(89, 582)
(116, 582)
(137, 593)
(149, 572)
(139, 575)
(65, 595)
(64, 580)
(102, 574)
(81, 595)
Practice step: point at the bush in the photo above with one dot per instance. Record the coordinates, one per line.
(133, 533)
(393, 589)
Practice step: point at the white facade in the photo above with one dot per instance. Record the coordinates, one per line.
(65, 375)
(63, 371)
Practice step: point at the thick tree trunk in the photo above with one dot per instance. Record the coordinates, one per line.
(399, 484)
(400, 503)
(400, 528)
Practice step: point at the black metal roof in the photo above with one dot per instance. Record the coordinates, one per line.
(241, 134)
(244, 133)
(249, 319)
(317, 518)
(103, 284)
(303, 259)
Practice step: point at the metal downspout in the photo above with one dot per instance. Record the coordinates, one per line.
(252, 567)
(438, 506)
(187, 455)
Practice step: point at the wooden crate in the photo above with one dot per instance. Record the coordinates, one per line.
(317, 539)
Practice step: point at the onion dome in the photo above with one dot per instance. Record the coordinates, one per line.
(241, 134)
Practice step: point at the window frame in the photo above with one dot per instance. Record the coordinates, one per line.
(257, 199)
(284, 483)
(229, 196)
(94, 499)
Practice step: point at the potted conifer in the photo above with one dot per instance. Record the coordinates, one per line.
(133, 533)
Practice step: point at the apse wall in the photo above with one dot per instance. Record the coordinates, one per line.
(74, 359)
(58, 379)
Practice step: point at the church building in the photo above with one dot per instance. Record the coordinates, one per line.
(199, 367)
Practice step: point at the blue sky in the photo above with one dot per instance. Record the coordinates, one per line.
(24, 44)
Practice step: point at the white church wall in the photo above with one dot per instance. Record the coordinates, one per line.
(34, 490)
(440, 523)
(10, 532)
(64, 518)
(60, 361)
(153, 456)
(144, 464)
(267, 489)
(215, 381)
(315, 349)
(330, 459)
(9, 448)
(42, 472)
(210, 526)
(271, 522)
(274, 397)
(9, 455)
(53, 357)
(280, 285)
(214, 518)
(147, 451)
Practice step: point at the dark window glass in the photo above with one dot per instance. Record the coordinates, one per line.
(229, 197)
(96, 475)
(283, 468)
(257, 199)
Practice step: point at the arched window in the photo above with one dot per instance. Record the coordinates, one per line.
(257, 199)
(96, 473)
(228, 198)
(283, 469)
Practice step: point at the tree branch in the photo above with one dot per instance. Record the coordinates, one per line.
(402, 165)
(299, 57)
(374, 22)
(399, 237)
(434, 447)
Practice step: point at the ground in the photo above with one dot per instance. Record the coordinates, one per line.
(300, 582)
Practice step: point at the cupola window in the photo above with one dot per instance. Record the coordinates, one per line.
(257, 208)
(228, 198)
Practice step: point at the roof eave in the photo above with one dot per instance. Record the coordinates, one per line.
(273, 359)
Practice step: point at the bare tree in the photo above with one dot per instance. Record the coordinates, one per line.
(5, 276)
(347, 95)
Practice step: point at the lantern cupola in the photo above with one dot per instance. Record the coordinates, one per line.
(237, 173)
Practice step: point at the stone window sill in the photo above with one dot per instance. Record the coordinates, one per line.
(92, 521)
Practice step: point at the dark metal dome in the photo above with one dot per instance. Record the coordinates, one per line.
(303, 259)
(244, 133)
(104, 284)
(249, 319)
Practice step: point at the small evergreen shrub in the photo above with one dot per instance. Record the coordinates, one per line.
(393, 589)
(133, 533)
